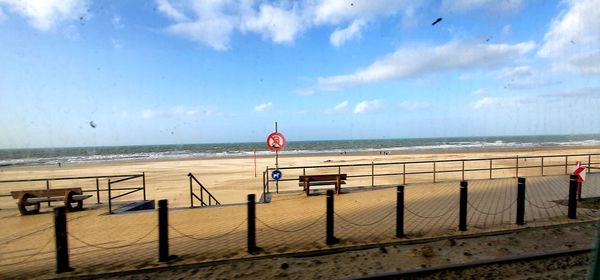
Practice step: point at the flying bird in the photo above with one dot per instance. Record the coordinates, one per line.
(436, 21)
(92, 124)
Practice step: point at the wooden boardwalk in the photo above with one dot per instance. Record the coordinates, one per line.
(291, 222)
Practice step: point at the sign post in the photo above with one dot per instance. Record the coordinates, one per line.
(580, 172)
(276, 142)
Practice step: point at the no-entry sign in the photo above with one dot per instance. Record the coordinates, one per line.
(275, 141)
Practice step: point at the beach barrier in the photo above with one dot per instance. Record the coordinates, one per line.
(113, 192)
(203, 190)
(345, 222)
(439, 170)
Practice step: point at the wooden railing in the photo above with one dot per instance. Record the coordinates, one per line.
(586, 160)
(110, 188)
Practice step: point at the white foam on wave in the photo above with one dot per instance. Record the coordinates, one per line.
(186, 154)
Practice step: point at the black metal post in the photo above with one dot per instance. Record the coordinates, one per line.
(163, 231)
(97, 191)
(48, 188)
(109, 199)
(521, 201)
(400, 211)
(573, 197)
(463, 170)
(404, 173)
(252, 248)
(517, 167)
(144, 184)
(462, 216)
(62, 247)
(434, 172)
(330, 239)
(191, 192)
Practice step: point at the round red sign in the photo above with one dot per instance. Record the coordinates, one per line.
(275, 141)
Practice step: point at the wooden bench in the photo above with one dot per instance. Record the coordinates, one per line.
(322, 180)
(29, 200)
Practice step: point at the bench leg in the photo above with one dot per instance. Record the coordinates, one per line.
(306, 187)
(69, 202)
(22, 205)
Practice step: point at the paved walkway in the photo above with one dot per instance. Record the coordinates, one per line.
(291, 222)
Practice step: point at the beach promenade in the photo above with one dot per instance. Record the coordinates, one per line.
(291, 222)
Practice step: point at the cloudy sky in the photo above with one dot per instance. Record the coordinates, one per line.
(86, 73)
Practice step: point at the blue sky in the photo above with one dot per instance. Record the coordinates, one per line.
(174, 72)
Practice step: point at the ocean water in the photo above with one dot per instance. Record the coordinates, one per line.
(42, 156)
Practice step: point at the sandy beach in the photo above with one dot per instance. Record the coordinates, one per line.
(231, 179)
(292, 222)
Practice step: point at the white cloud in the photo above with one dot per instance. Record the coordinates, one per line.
(469, 5)
(339, 11)
(367, 106)
(178, 112)
(275, 23)
(517, 72)
(262, 107)
(213, 23)
(573, 40)
(2, 15)
(478, 92)
(165, 7)
(506, 30)
(116, 44)
(116, 22)
(149, 113)
(304, 91)
(524, 77)
(588, 64)
(572, 29)
(341, 36)
(45, 15)
(419, 61)
(485, 102)
(342, 106)
(502, 102)
(414, 105)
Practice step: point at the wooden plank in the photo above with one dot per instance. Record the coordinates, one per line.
(76, 197)
(46, 193)
(321, 183)
(322, 177)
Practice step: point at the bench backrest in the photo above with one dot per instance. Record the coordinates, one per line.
(43, 193)
(323, 177)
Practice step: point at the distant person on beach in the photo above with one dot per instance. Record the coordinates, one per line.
(59, 164)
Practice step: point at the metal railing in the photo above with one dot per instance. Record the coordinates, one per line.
(203, 190)
(435, 170)
(111, 180)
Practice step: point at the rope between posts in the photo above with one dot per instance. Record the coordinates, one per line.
(431, 217)
(290, 231)
(28, 234)
(367, 224)
(30, 256)
(3, 242)
(491, 214)
(541, 207)
(112, 247)
(208, 238)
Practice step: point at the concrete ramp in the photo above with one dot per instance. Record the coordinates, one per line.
(136, 206)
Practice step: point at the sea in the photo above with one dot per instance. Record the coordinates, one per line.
(53, 156)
